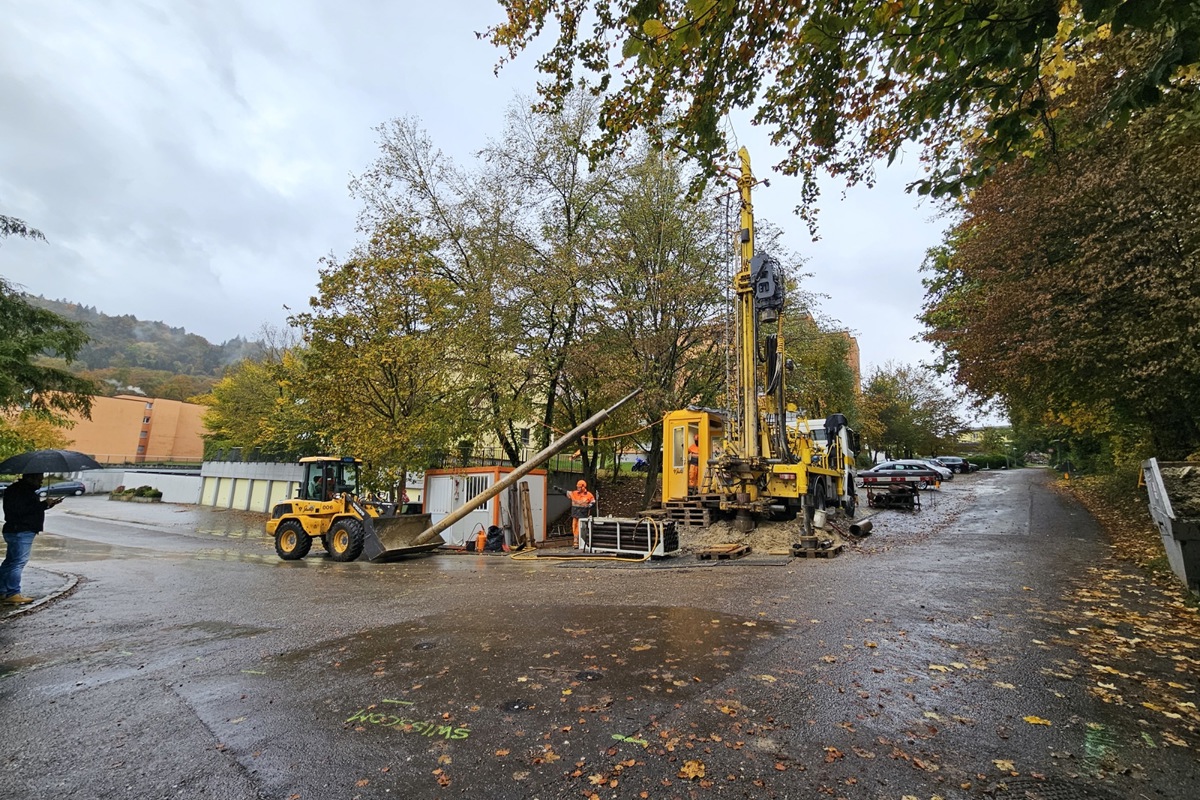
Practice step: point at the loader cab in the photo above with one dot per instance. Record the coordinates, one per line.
(325, 477)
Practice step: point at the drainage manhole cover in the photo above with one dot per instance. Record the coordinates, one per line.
(423, 646)
(1049, 789)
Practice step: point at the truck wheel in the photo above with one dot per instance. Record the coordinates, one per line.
(291, 540)
(346, 540)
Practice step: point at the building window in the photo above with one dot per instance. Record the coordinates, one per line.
(141, 450)
(142, 435)
(145, 420)
(525, 436)
(149, 406)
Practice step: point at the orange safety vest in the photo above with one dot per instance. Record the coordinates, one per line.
(581, 501)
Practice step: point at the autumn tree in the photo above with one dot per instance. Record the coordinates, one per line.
(654, 320)
(259, 404)
(1068, 289)
(25, 431)
(822, 381)
(841, 85)
(377, 382)
(513, 236)
(906, 412)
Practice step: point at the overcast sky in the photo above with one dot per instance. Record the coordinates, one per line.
(188, 161)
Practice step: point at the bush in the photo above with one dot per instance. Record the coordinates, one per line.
(989, 460)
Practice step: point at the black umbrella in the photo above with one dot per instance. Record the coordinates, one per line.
(48, 461)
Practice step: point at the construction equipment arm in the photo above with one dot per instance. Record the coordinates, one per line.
(524, 469)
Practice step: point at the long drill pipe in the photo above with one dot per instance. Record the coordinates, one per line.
(521, 471)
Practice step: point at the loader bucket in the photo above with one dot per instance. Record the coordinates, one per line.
(392, 538)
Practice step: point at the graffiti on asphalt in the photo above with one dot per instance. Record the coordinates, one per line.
(630, 739)
(419, 727)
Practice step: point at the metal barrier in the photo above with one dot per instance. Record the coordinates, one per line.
(1180, 535)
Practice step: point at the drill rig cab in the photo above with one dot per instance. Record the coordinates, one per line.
(757, 460)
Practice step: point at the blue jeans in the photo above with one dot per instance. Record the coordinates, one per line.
(15, 559)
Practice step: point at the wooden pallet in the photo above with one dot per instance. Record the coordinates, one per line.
(723, 551)
(695, 517)
(809, 547)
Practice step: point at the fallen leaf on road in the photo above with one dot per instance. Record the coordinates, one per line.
(1003, 685)
(691, 770)
(1032, 720)
(939, 668)
(1004, 764)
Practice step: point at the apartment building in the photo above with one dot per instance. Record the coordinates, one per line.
(128, 429)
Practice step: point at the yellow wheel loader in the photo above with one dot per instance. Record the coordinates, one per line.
(328, 507)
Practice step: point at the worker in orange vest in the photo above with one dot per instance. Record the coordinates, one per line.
(581, 503)
(693, 461)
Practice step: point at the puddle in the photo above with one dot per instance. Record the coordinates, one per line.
(572, 659)
(51, 548)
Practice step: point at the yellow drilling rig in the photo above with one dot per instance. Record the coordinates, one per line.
(758, 459)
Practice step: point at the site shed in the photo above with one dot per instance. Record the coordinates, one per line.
(448, 489)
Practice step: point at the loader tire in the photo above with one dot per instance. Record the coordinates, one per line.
(346, 540)
(292, 542)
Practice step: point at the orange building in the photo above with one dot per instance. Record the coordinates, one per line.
(128, 429)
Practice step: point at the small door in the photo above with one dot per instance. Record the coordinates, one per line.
(675, 471)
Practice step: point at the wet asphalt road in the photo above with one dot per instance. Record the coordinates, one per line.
(189, 661)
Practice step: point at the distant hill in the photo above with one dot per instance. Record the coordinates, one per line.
(129, 355)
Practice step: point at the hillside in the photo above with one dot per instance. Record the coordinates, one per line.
(129, 355)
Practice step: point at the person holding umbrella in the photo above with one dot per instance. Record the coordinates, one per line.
(24, 518)
(25, 511)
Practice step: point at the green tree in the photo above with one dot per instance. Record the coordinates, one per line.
(513, 237)
(259, 404)
(1068, 289)
(840, 85)
(654, 317)
(377, 381)
(27, 335)
(906, 412)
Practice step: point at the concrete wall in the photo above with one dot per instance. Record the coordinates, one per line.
(177, 487)
(247, 486)
(255, 486)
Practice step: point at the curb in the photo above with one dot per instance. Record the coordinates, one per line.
(69, 583)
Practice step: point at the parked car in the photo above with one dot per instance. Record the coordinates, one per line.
(62, 489)
(955, 463)
(941, 469)
(915, 465)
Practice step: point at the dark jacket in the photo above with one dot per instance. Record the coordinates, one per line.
(23, 509)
